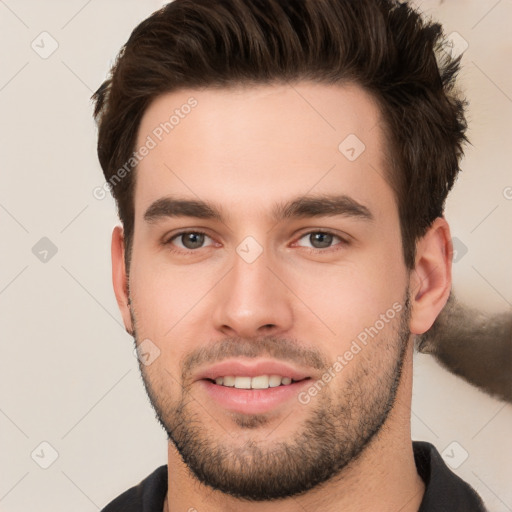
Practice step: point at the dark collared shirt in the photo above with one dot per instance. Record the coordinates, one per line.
(444, 490)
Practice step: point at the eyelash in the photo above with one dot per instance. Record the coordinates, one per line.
(344, 242)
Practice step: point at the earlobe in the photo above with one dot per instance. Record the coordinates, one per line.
(119, 277)
(431, 279)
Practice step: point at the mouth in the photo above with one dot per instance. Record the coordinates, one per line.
(252, 387)
(258, 382)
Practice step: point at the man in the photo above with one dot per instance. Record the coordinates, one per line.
(280, 169)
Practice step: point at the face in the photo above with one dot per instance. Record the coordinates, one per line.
(267, 282)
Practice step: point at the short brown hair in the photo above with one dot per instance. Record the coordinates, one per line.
(384, 46)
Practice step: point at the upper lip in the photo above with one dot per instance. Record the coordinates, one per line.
(238, 368)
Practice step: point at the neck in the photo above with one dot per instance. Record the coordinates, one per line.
(383, 477)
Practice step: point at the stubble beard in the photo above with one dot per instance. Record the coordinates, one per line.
(338, 427)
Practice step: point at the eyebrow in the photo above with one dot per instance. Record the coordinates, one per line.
(299, 207)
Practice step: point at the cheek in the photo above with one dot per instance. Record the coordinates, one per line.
(164, 294)
(172, 307)
(344, 309)
(343, 300)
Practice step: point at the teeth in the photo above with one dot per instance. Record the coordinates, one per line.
(259, 382)
(228, 381)
(274, 381)
(243, 382)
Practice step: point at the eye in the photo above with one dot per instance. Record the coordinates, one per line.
(190, 241)
(320, 240)
(187, 240)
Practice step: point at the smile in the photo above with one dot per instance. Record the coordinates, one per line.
(258, 382)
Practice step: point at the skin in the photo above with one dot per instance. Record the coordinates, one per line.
(245, 150)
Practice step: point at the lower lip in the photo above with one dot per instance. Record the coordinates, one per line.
(252, 401)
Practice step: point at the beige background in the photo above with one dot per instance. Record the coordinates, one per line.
(68, 375)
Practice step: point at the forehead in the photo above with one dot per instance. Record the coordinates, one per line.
(259, 145)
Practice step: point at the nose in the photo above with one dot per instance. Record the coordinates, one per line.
(252, 300)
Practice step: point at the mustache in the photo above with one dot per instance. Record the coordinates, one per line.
(288, 350)
(283, 349)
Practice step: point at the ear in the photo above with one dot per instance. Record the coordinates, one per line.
(119, 277)
(431, 280)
